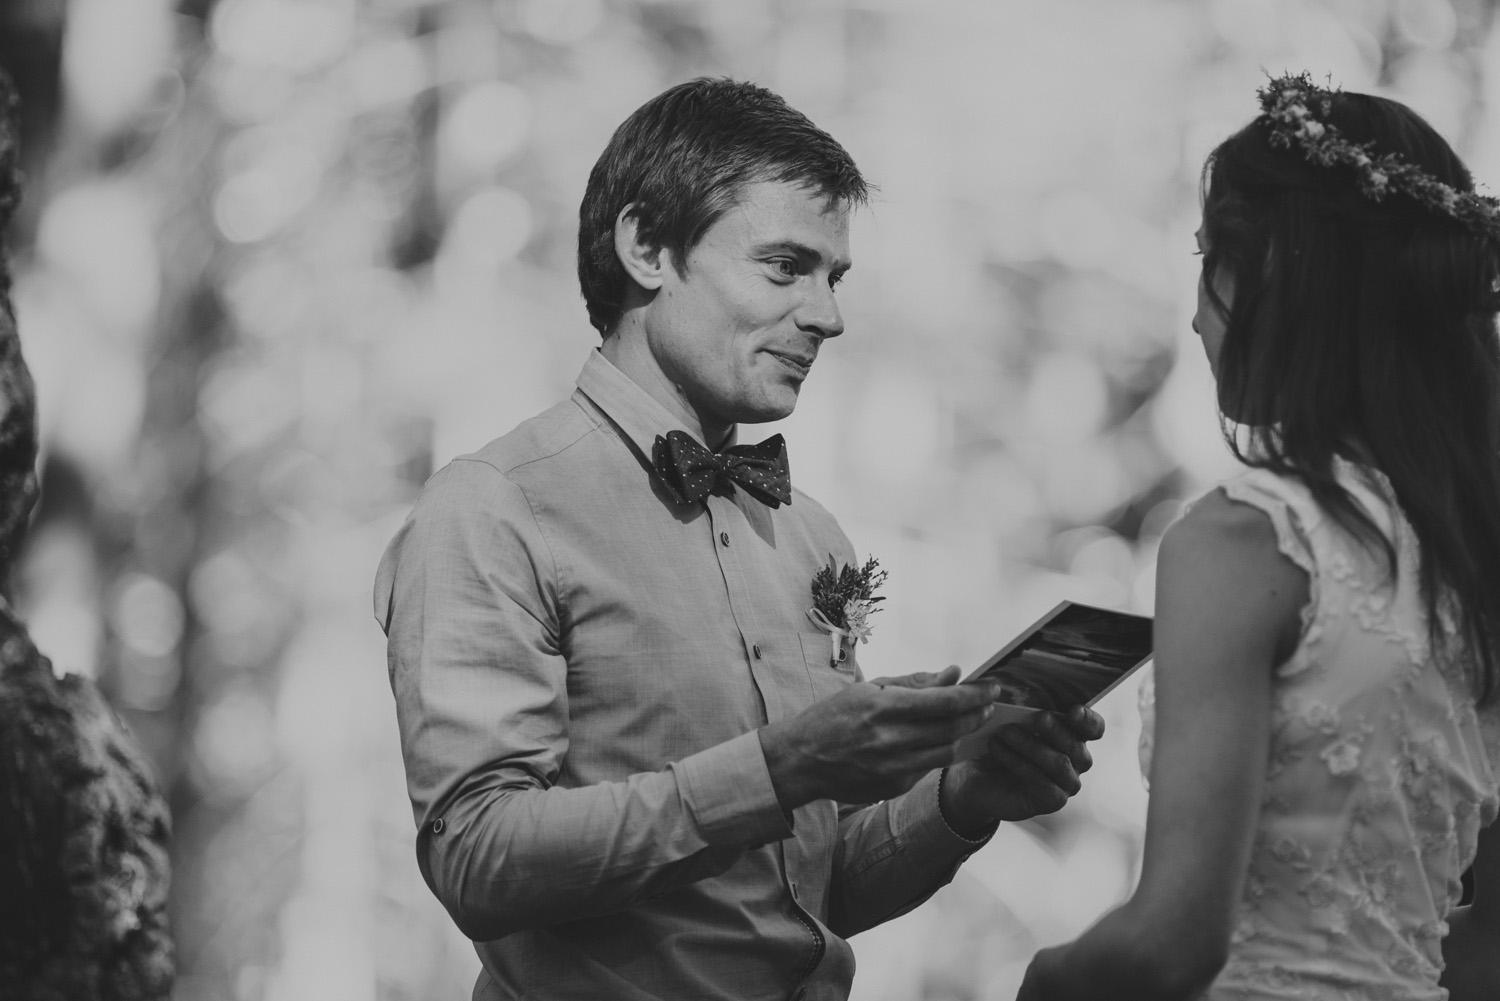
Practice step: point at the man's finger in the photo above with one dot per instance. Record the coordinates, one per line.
(1063, 738)
(1023, 772)
(1085, 723)
(917, 680)
(934, 703)
(939, 733)
(1056, 766)
(945, 731)
(921, 679)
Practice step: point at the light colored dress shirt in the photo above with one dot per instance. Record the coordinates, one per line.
(580, 664)
(1381, 771)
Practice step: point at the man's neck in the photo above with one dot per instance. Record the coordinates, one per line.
(626, 349)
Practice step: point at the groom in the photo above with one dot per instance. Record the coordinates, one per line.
(634, 763)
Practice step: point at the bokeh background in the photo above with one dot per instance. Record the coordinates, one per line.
(280, 259)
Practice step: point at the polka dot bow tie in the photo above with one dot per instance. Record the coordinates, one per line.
(691, 471)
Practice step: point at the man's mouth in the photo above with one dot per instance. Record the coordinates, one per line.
(801, 364)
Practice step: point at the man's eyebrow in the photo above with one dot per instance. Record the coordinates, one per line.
(801, 251)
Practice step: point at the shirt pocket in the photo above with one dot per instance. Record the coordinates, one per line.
(826, 677)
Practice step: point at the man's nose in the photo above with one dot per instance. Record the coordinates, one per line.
(819, 314)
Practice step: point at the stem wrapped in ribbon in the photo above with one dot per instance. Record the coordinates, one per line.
(834, 633)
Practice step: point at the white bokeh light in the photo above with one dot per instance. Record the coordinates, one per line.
(100, 238)
(486, 126)
(1066, 398)
(274, 178)
(489, 228)
(562, 22)
(296, 35)
(115, 55)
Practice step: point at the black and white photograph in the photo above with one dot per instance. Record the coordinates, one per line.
(1071, 659)
(504, 500)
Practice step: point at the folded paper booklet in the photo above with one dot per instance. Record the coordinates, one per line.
(1072, 656)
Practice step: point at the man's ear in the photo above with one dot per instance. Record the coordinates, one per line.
(643, 262)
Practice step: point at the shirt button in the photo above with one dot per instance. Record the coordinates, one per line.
(755, 648)
(438, 825)
(724, 538)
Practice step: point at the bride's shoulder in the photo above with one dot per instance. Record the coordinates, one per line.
(1224, 562)
(1260, 510)
(1224, 535)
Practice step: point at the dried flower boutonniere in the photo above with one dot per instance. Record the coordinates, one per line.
(843, 600)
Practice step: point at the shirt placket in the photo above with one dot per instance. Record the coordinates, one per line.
(732, 537)
(729, 527)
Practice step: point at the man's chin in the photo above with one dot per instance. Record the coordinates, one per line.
(777, 406)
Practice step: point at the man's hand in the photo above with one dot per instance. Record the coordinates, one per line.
(873, 740)
(1028, 769)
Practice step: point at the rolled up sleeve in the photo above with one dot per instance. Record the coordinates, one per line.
(468, 596)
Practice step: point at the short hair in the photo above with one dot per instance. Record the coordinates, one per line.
(1369, 321)
(682, 159)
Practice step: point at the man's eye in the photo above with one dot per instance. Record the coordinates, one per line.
(784, 266)
(834, 281)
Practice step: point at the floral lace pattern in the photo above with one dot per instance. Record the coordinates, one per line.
(1381, 772)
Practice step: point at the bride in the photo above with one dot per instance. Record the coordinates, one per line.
(1327, 740)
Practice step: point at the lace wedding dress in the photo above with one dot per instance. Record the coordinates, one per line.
(1380, 775)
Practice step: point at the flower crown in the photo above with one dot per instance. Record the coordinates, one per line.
(1293, 105)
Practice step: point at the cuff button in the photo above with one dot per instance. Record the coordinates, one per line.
(438, 825)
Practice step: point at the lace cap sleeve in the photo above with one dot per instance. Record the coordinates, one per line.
(1290, 509)
(1293, 515)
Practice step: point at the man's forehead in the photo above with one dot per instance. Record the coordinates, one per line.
(781, 212)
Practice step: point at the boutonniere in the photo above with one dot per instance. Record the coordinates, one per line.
(843, 600)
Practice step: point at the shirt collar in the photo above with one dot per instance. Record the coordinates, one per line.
(633, 410)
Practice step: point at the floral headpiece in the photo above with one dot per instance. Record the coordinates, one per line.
(1296, 110)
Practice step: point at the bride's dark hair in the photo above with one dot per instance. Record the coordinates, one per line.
(1366, 329)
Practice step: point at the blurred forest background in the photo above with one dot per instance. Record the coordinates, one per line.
(280, 259)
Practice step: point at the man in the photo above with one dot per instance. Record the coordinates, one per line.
(626, 743)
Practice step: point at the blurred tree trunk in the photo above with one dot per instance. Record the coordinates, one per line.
(83, 831)
(31, 41)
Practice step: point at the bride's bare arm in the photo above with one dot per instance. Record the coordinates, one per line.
(1470, 951)
(1228, 610)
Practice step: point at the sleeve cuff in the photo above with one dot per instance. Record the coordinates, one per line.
(729, 792)
(919, 818)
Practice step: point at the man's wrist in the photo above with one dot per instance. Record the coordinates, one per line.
(962, 820)
(780, 764)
